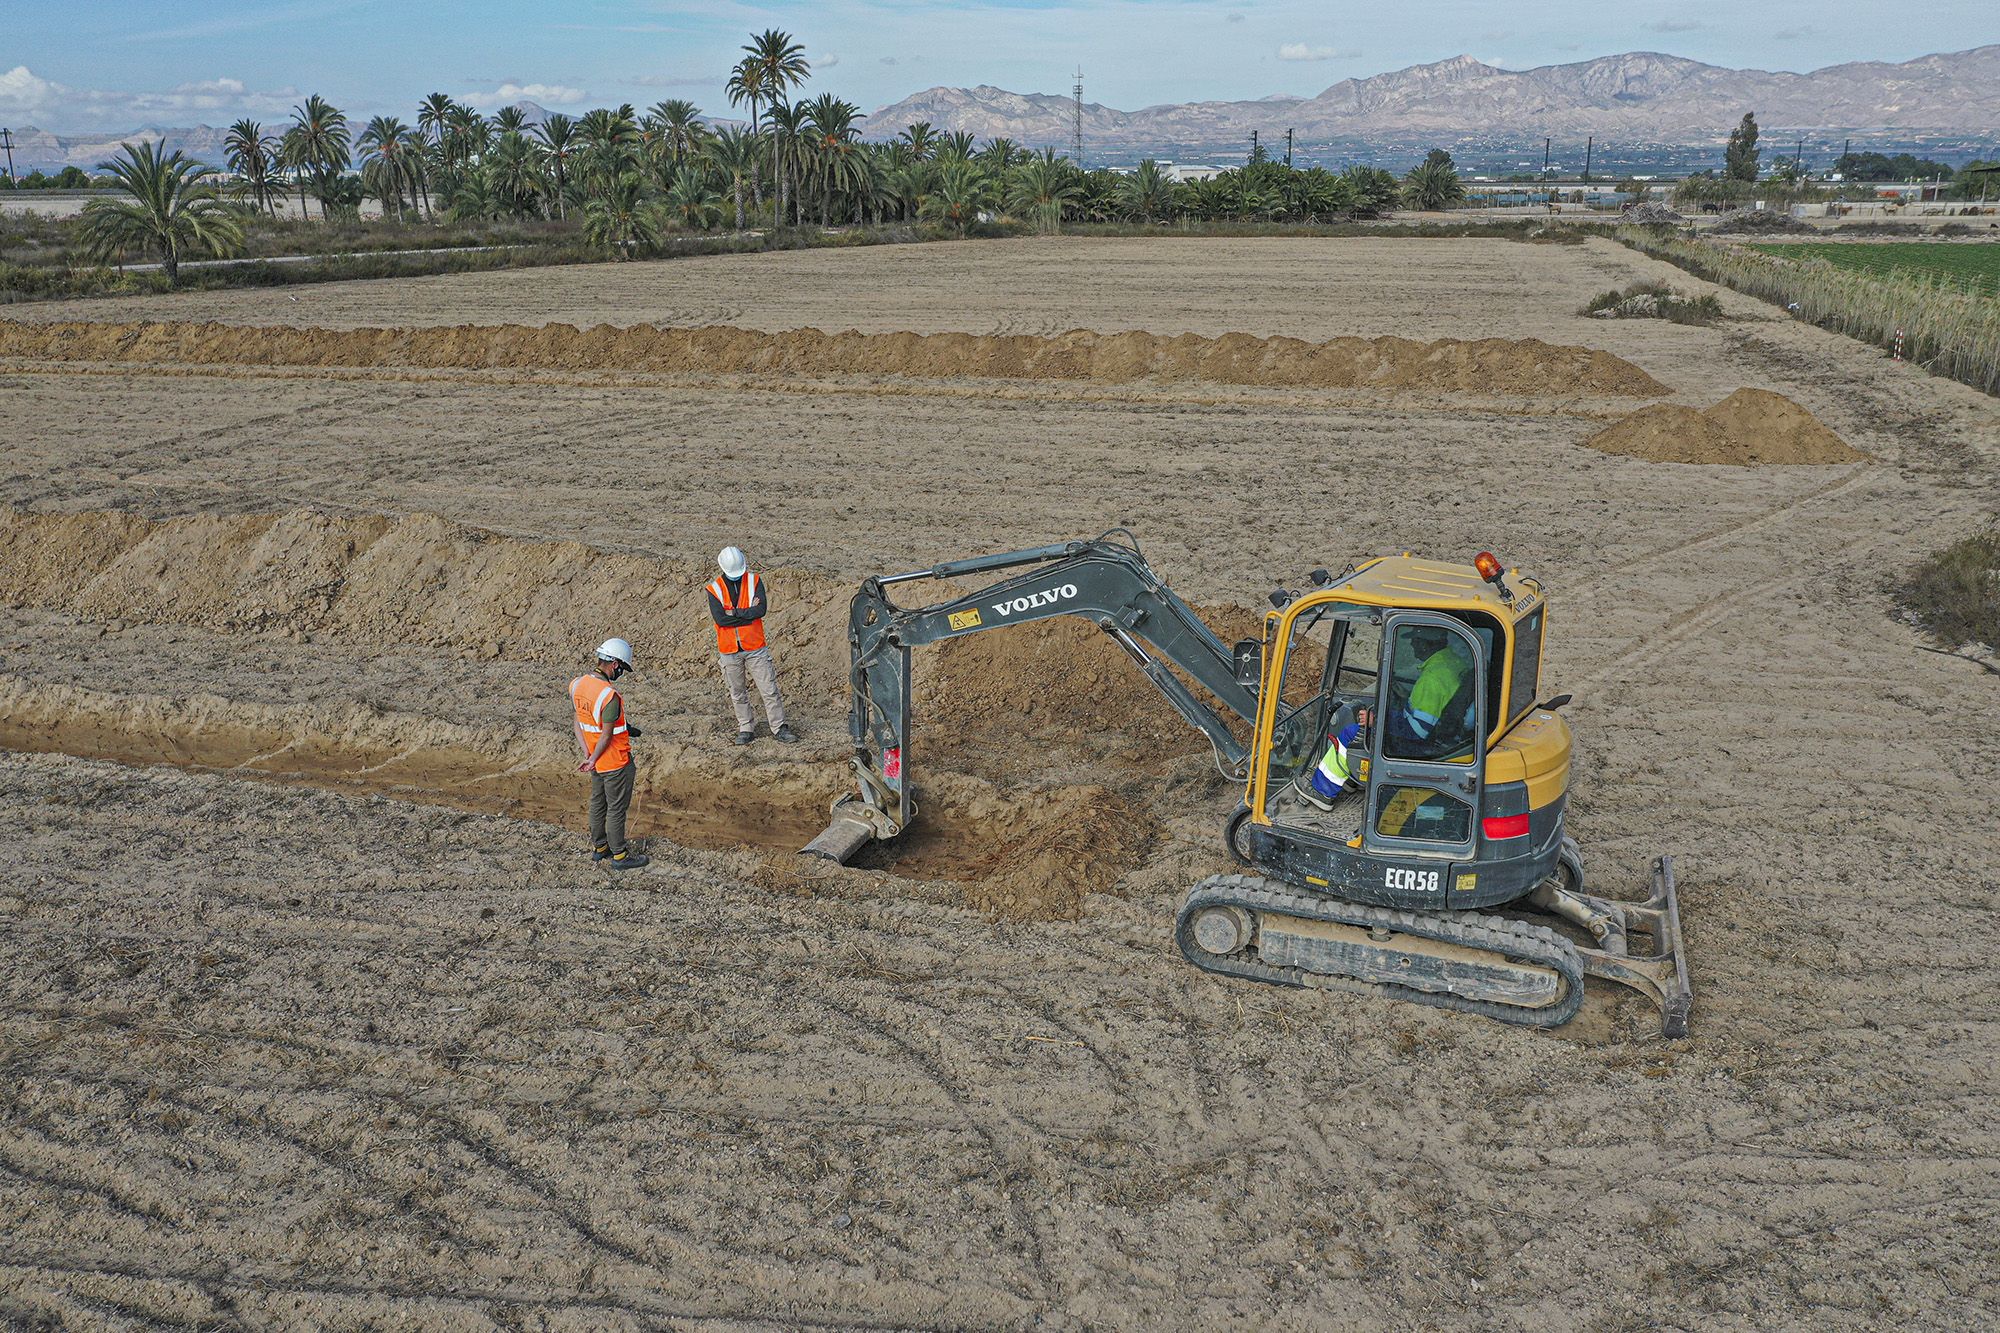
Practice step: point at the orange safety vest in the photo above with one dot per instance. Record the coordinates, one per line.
(590, 694)
(737, 638)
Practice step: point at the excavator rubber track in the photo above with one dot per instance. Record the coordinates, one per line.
(1493, 966)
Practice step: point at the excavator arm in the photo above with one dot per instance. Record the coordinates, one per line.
(1105, 581)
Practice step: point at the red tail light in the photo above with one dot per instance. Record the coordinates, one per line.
(1506, 826)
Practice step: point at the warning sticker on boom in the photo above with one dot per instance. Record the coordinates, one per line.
(968, 619)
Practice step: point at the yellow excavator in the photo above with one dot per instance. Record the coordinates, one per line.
(1404, 781)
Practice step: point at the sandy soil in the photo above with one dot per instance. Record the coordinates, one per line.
(316, 1016)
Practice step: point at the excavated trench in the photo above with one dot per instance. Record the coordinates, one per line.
(1018, 819)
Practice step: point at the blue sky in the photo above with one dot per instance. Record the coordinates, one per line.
(117, 64)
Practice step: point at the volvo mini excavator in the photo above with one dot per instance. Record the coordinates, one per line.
(1435, 869)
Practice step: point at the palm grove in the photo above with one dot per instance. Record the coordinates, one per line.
(630, 177)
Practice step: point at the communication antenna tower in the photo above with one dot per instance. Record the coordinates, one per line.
(1076, 122)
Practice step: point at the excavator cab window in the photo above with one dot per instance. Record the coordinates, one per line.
(1330, 663)
(1295, 734)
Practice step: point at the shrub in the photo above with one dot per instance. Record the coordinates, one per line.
(1956, 593)
(1654, 300)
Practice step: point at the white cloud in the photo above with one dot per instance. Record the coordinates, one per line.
(888, 60)
(1674, 25)
(511, 92)
(27, 97)
(1794, 34)
(1234, 18)
(1300, 51)
(827, 61)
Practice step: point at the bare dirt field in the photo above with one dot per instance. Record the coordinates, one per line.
(318, 1015)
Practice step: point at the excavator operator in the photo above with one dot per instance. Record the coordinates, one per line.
(1433, 716)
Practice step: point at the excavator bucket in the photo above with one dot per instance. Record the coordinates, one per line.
(878, 725)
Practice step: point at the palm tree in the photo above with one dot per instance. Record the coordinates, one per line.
(692, 203)
(957, 144)
(1435, 183)
(1147, 194)
(316, 145)
(253, 155)
(999, 155)
(680, 128)
(735, 154)
(432, 115)
(1040, 189)
(780, 61)
(610, 140)
(515, 172)
(510, 120)
(617, 217)
(789, 129)
(559, 143)
(833, 158)
(962, 191)
(920, 140)
(387, 160)
(466, 135)
(172, 210)
(746, 84)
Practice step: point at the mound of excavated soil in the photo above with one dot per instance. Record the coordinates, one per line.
(1487, 365)
(415, 580)
(1751, 427)
(1052, 681)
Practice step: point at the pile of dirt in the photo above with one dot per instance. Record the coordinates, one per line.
(1487, 365)
(1758, 222)
(372, 579)
(1750, 427)
(1053, 681)
(1650, 214)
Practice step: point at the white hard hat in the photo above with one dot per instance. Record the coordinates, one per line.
(732, 562)
(616, 650)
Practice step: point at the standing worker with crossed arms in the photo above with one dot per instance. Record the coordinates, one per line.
(736, 603)
(606, 738)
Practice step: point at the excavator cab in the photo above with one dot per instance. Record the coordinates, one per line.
(1402, 775)
(1438, 669)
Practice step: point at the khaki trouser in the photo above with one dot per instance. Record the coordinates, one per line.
(760, 669)
(610, 798)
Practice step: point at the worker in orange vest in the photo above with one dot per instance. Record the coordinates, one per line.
(737, 603)
(606, 737)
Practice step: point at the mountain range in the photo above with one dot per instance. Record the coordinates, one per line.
(1642, 95)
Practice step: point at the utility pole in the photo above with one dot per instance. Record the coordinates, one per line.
(1545, 161)
(1798, 159)
(7, 140)
(1588, 144)
(1288, 148)
(1076, 126)
(1253, 145)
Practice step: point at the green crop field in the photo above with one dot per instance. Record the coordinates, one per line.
(1974, 265)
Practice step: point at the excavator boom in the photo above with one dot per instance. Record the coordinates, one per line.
(1103, 580)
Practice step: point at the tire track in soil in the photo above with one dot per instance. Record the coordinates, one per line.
(262, 1280)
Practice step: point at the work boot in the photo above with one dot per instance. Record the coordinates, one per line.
(786, 734)
(628, 860)
(600, 853)
(745, 737)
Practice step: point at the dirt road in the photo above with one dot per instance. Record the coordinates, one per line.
(315, 1014)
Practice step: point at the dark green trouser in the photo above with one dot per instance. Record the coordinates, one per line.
(610, 798)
